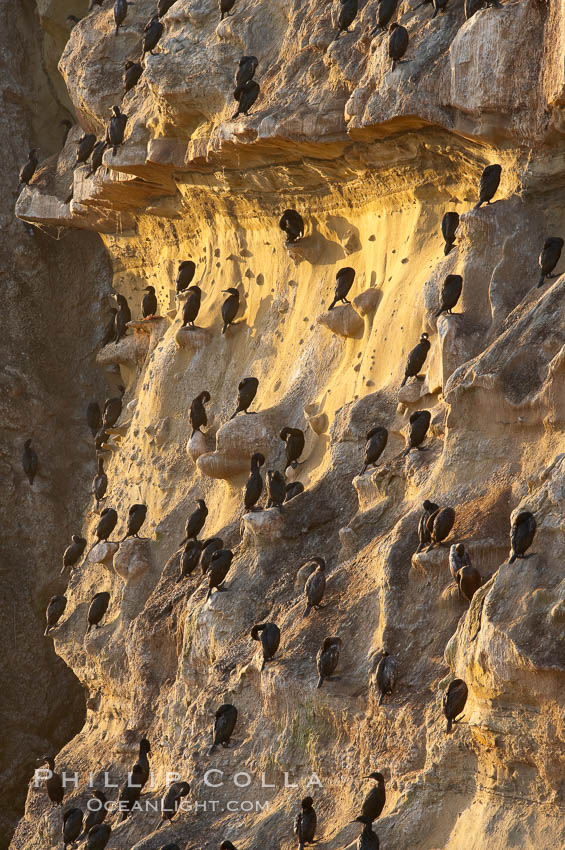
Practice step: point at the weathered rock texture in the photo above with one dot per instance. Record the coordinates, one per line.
(372, 158)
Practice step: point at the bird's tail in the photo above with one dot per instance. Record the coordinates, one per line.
(332, 305)
(447, 248)
(46, 632)
(404, 380)
(449, 726)
(307, 610)
(234, 414)
(541, 281)
(114, 150)
(263, 665)
(180, 578)
(208, 594)
(224, 329)
(320, 682)
(211, 750)
(477, 205)
(512, 558)
(364, 470)
(439, 312)
(381, 698)
(88, 628)
(235, 115)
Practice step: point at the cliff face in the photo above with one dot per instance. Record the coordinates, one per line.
(372, 158)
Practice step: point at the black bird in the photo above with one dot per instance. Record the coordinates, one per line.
(293, 225)
(450, 293)
(246, 392)
(136, 518)
(220, 564)
(122, 317)
(245, 70)
(73, 552)
(522, 535)
(458, 558)
(153, 31)
(397, 43)
(72, 825)
(294, 439)
(293, 488)
(230, 307)
(185, 274)
(374, 802)
(191, 306)
(116, 129)
(315, 586)
(171, 800)
(96, 814)
(368, 840)
(28, 169)
(226, 718)
(449, 225)
(225, 8)
(85, 146)
(143, 761)
(347, 13)
(418, 428)
(377, 439)
(98, 607)
(98, 837)
(99, 483)
(120, 12)
(305, 823)
(163, 6)
(208, 548)
(132, 74)
(112, 411)
(246, 95)
(454, 700)
(386, 676)
(439, 6)
(67, 125)
(270, 636)
(54, 785)
(468, 581)
(416, 358)
(195, 522)
(189, 558)
(490, 180)
(343, 283)
(131, 791)
(55, 611)
(149, 303)
(327, 658)
(385, 11)
(106, 524)
(549, 257)
(276, 489)
(197, 416)
(439, 525)
(423, 534)
(29, 461)
(97, 156)
(254, 486)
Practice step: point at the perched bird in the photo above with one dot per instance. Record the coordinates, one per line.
(450, 293)
(368, 840)
(276, 489)
(171, 800)
(246, 392)
(374, 802)
(385, 12)
(416, 358)
(99, 483)
(68, 126)
(294, 439)
(28, 169)
(131, 791)
(449, 225)
(96, 814)
(220, 564)
(230, 307)
(85, 146)
(293, 488)
(163, 6)
(270, 636)
(191, 306)
(132, 74)
(149, 303)
(106, 524)
(55, 611)
(386, 676)
(116, 129)
(98, 607)
(343, 283)
(468, 581)
(112, 411)
(439, 6)
(293, 225)
(189, 558)
(419, 423)
(208, 548)
(246, 95)
(327, 658)
(423, 533)
(397, 43)
(72, 825)
(143, 761)
(305, 823)
(120, 12)
(315, 586)
(98, 837)
(347, 14)
(73, 552)
(522, 535)
(454, 700)
(97, 156)
(440, 524)
(54, 784)
(225, 8)
(224, 724)
(197, 416)
(254, 486)
(490, 180)
(185, 275)
(549, 257)
(458, 558)
(152, 33)
(136, 518)
(29, 462)
(377, 439)
(245, 70)
(122, 317)
(195, 522)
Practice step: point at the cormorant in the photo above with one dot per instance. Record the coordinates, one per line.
(450, 293)
(490, 180)
(549, 257)
(191, 306)
(143, 761)
(449, 225)
(131, 791)
(55, 611)
(116, 129)
(195, 522)
(95, 815)
(106, 524)
(197, 416)
(163, 7)
(327, 658)
(246, 95)
(347, 14)
(54, 785)
(315, 585)
(293, 488)
(397, 43)
(225, 8)
(305, 823)
(368, 840)
(458, 559)
(419, 424)
(171, 800)
(85, 146)
(149, 303)
(246, 392)
(294, 439)
(468, 581)
(112, 411)
(136, 518)
(185, 274)
(98, 837)
(73, 552)
(245, 70)
(386, 676)
(423, 533)
(254, 486)
(28, 169)
(230, 307)
(122, 317)
(29, 462)
(153, 31)
(189, 558)
(416, 358)
(522, 535)
(385, 11)
(220, 564)
(377, 439)
(440, 524)
(293, 225)
(98, 607)
(120, 12)
(276, 489)
(72, 825)
(99, 483)
(208, 548)
(226, 718)
(374, 802)
(67, 125)
(343, 283)
(132, 74)
(97, 156)
(270, 636)
(454, 700)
